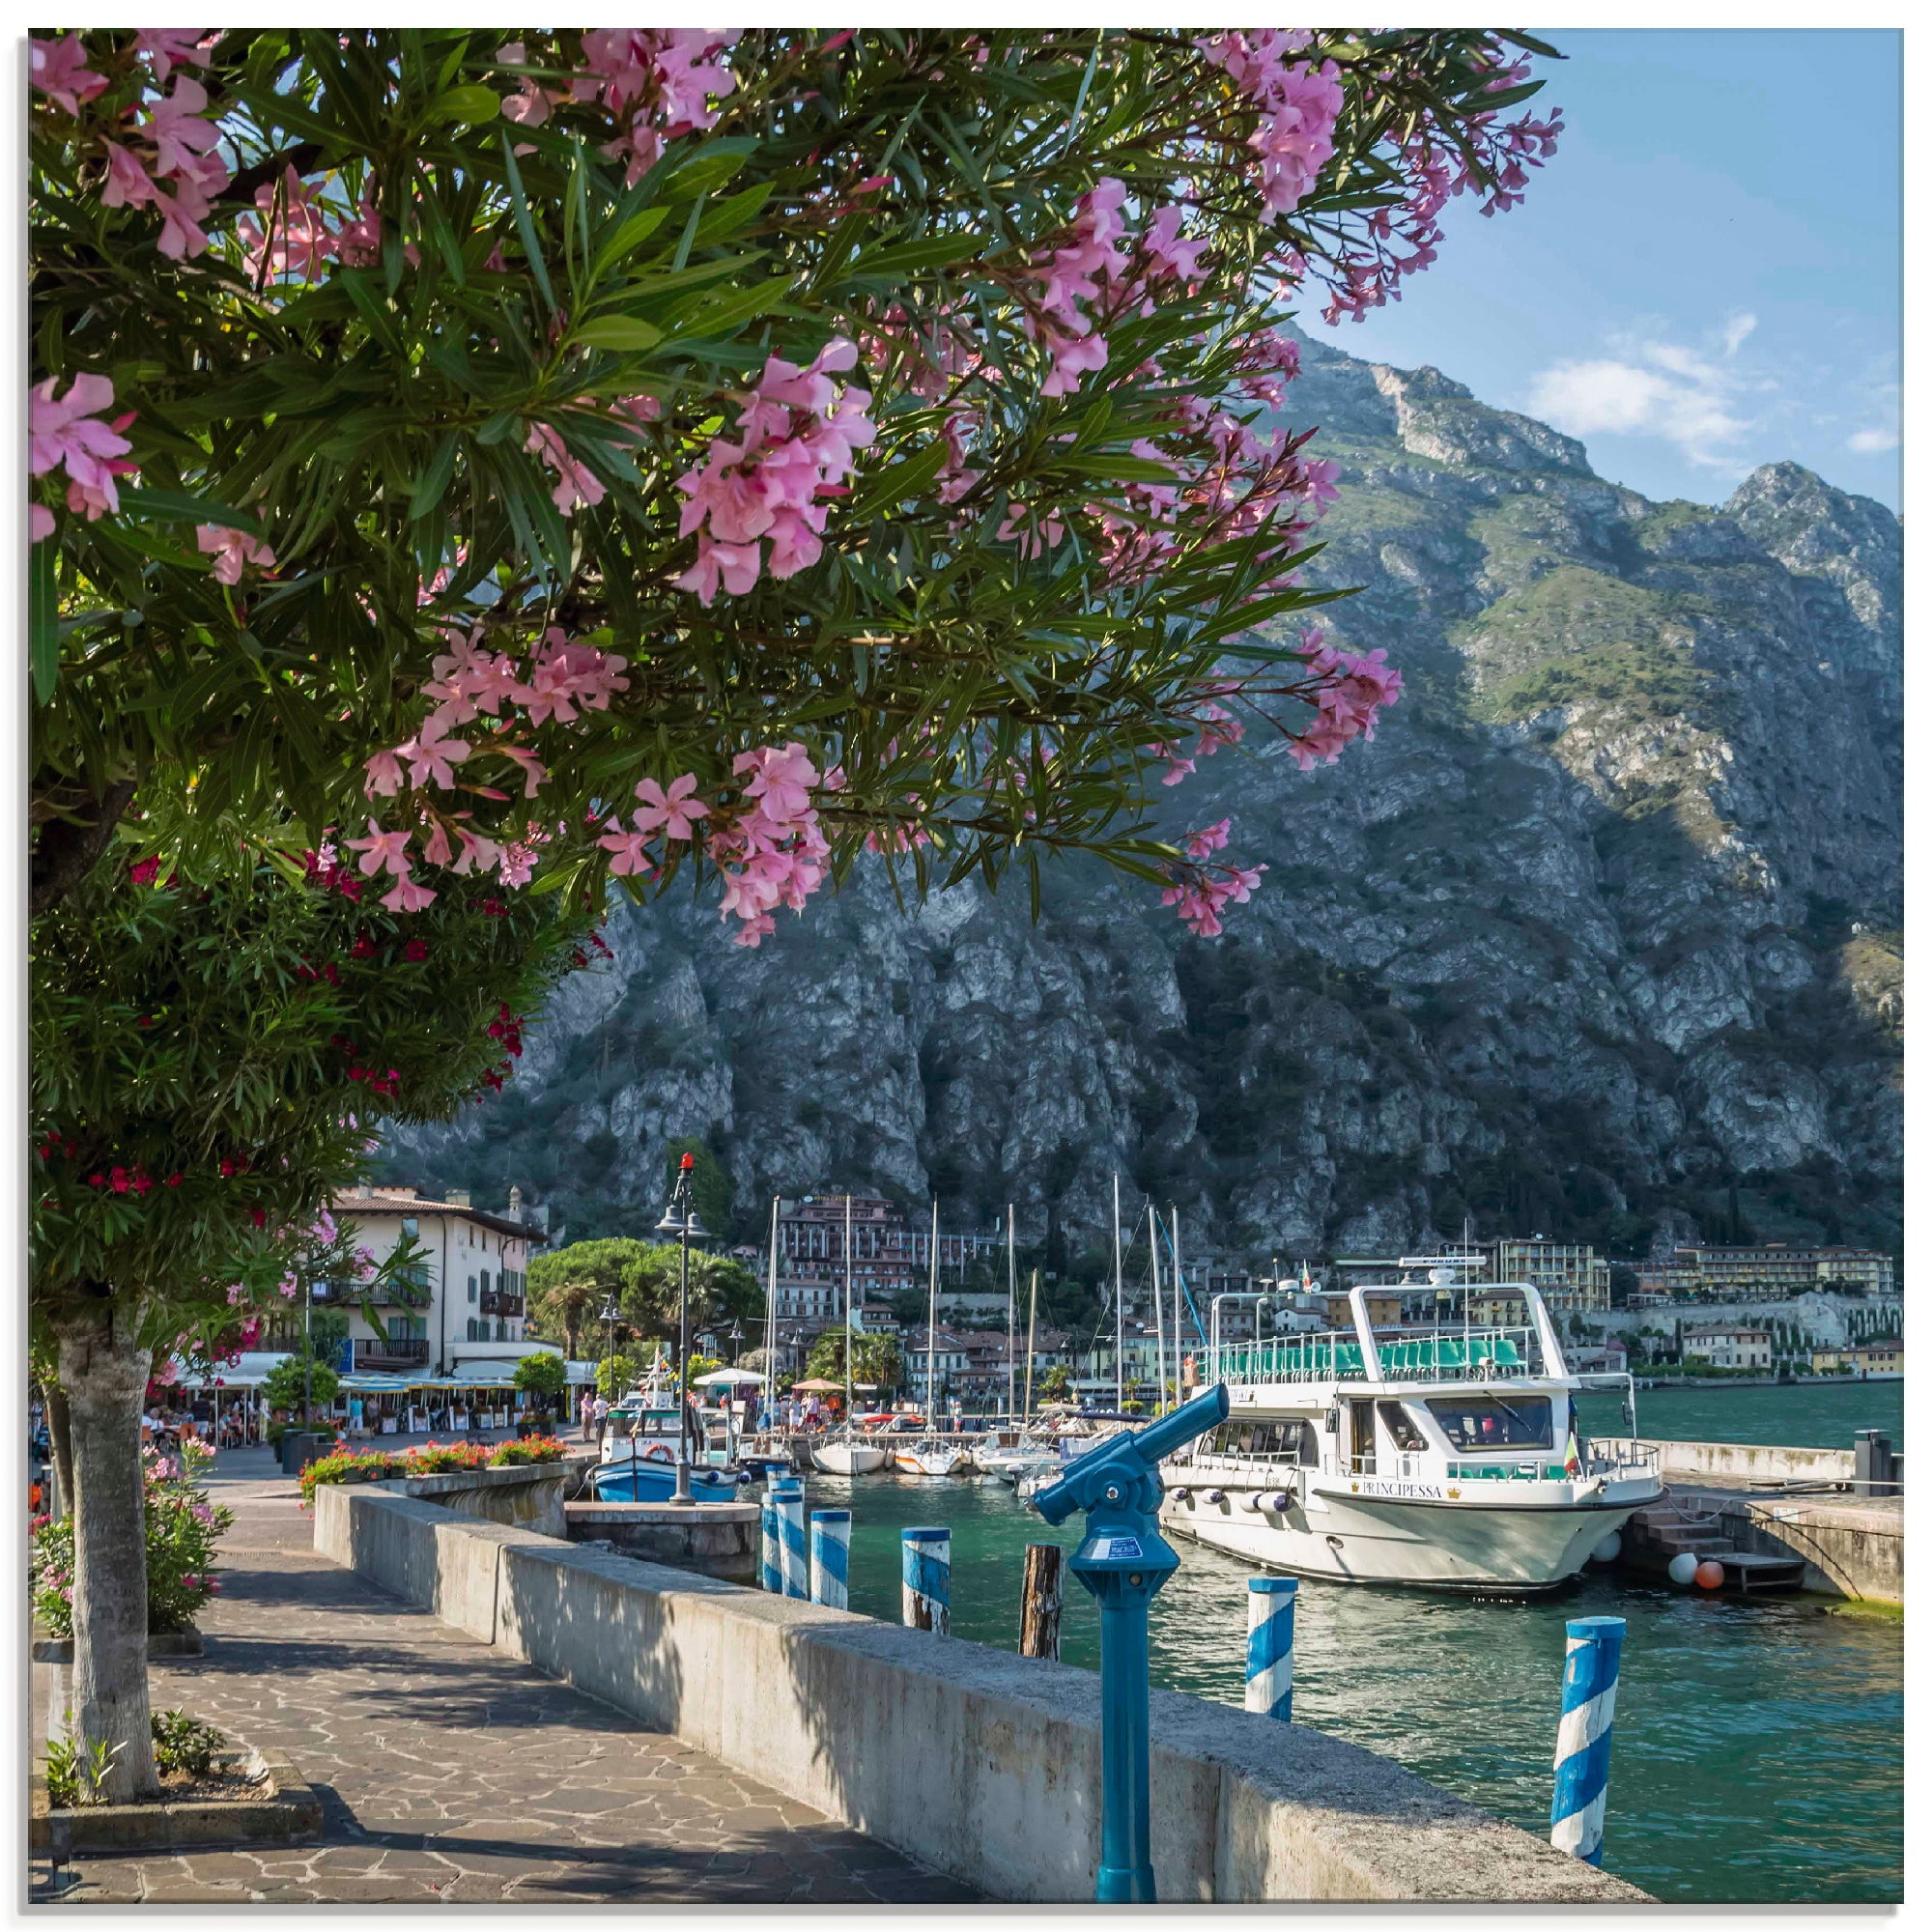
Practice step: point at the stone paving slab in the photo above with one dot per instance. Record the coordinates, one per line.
(451, 1773)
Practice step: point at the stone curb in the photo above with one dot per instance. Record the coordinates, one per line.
(289, 1815)
(161, 1643)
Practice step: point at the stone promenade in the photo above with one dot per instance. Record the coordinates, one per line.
(451, 1773)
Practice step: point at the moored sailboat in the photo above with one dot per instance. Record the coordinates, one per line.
(847, 1453)
(931, 1455)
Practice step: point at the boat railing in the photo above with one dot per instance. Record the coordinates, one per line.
(1625, 1459)
(1475, 1355)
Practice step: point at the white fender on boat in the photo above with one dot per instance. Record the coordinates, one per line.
(1213, 1495)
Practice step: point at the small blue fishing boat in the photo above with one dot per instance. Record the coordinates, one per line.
(639, 1463)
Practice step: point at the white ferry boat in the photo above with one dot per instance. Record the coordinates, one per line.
(1431, 1449)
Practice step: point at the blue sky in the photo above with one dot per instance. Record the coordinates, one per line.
(1707, 274)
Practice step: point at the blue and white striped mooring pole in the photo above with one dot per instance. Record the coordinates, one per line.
(771, 1571)
(1271, 1646)
(789, 1497)
(925, 1580)
(1583, 1736)
(831, 1556)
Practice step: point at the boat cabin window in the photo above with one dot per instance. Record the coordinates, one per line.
(1492, 1423)
(1401, 1426)
(1292, 1440)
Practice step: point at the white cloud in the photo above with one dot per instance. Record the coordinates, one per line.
(1648, 385)
(1872, 442)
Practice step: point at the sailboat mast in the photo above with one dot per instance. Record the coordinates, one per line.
(1013, 1286)
(1179, 1288)
(1120, 1311)
(772, 1320)
(1032, 1310)
(1159, 1326)
(848, 1310)
(932, 1326)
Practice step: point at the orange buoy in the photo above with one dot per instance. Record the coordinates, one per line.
(1710, 1575)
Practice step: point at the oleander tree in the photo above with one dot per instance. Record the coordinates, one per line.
(644, 452)
(519, 461)
(208, 1064)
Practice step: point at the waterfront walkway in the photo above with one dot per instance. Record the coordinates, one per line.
(451, 1773)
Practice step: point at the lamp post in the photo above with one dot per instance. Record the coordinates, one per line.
(680, 1219)
(608, 1314)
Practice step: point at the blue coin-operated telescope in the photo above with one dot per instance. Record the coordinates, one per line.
(1122, 1561)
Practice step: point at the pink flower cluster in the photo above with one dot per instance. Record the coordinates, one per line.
(771, 851)
(1203, 893)
(1068, 277)
(565, 678)
(179, 144)
(65, 431)
(1299, 104)
(1352, 691)
(295, 232)
(658, 81)
(1371, 269)
(799, 435)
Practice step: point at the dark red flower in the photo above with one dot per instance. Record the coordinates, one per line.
(259, 1217)
(143, 874)
(121, 1180)
(414, 948)
(173, 1181)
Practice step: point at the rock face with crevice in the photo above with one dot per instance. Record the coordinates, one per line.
(1599, 935)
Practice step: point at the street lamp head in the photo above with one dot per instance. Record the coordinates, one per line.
(610, 1309)
(673, 1222)
(695, 1228)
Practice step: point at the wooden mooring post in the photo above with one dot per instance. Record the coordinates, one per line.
(1039, 1600)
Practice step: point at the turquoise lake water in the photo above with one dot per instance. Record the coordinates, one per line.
(1757, 1751)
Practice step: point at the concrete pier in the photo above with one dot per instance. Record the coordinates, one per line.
(710, 1539)
(1850, 1548)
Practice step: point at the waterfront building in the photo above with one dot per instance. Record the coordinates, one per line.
(1729, 1346)
(1883, 1359)
(1572, 1276)
(462, 1301)
(1769, 1271)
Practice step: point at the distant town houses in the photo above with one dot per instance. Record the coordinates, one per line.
(890, 1254)
(1771, 1271)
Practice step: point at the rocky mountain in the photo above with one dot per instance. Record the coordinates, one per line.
(1599, 937)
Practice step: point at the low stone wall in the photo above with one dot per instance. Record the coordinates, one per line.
(984, 1765)
(1741, 1462)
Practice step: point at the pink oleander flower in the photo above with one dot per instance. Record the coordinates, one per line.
(405, 895)
(233, 550)
(58, 70)
(39, 522)
(674, 811)
(66, 431)
(164, 47)
(576, 484)
(1166, 248)
(384, 774)
(382, 850)
(430, 755)
(1210, 839)
(732, 568)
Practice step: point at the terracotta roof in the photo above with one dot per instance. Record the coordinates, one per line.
(383, 1201)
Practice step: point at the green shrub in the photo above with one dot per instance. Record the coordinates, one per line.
(182, 1528)
(184, 1743)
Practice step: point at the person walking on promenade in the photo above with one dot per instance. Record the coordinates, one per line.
(587, 1414)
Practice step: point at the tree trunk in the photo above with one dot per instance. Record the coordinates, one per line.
(105, 1373)
(61, 1439)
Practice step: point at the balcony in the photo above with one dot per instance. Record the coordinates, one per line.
(388, 1355)
(493, 1303)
